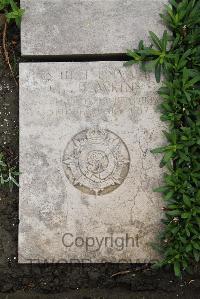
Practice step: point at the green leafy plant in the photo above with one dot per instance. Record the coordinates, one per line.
(8, 174)
(176, 58)
(11, 11)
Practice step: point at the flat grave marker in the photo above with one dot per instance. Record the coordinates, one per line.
(87, 174)
(76, 27)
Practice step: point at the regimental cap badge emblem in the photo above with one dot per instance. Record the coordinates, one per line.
(96, 161)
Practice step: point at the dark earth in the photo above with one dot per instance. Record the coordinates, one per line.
(89, 281)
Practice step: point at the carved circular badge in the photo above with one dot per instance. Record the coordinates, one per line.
(96, 161)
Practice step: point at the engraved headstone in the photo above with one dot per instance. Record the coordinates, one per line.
(87, 174)
(69, 27)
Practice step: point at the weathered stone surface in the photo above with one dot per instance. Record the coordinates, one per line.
(86, 130)
(68, 27)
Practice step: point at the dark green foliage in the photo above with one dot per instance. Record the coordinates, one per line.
(11, 11)
(8, 174)
(176, 56)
